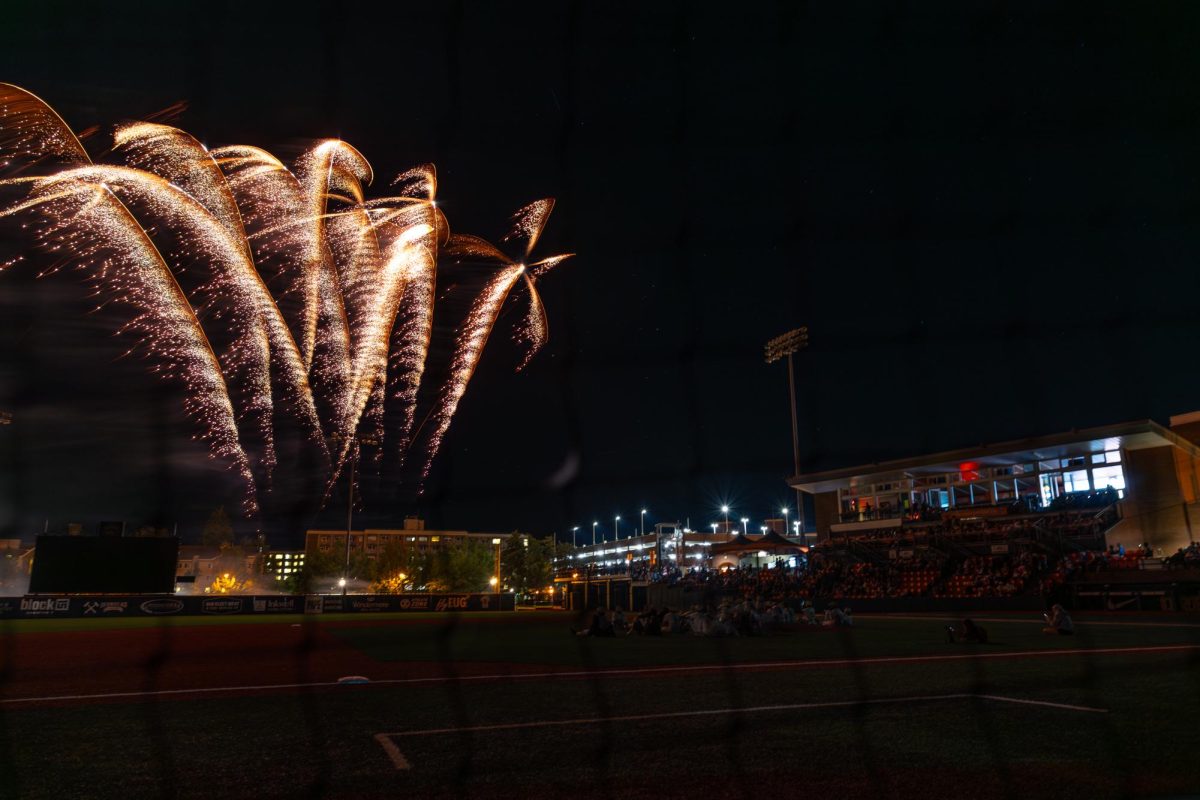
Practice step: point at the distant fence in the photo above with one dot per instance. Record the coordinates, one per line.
(96, 606)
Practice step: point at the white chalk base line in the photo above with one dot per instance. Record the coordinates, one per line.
(402, 763)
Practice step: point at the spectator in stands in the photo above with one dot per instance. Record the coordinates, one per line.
(1059, 621)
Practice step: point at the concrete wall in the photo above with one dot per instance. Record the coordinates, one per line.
(826, 512)
(1155, 511)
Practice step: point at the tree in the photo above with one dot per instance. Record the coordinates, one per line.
(218, 530)
(461, 567)
(525, 563)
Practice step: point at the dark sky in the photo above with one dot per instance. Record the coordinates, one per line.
(985, 213)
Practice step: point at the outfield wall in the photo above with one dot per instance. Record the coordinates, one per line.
(96, 606)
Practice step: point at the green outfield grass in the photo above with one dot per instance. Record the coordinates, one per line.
(1138, 740)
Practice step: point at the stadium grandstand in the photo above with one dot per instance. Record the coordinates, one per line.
(1098, 518)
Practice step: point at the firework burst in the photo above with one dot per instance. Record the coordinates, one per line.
(303, 298)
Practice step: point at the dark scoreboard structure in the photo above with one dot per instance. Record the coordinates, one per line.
(104, 565)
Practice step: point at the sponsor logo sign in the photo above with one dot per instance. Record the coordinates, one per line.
(105, 607)
(274, 605)
(221, 605)
(162, 605)
(314, 604)
(45, 606)
(370, 604)
(414, 603)
(451, 603)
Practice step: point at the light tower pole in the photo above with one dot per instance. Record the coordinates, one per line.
(353, 455)
(788, 345)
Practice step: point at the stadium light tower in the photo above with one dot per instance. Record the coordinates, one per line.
(788, 345)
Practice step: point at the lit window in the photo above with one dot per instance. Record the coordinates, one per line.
(1076, 481)
(1114, 476)
(1113, 456)
(1097, 458)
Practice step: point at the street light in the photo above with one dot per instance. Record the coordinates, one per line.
(574, 542)
(616, 530)
(788, 345)
(744, 521)
(713, 525)
(785, 519)
(594, 524)
(642, 524)
(763, 528)
(725, 511)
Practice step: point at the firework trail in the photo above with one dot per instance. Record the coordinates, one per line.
(319, 300)
(414, 329)
(119, 257)
(526, 224)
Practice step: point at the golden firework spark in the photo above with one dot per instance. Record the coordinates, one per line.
(324, 299)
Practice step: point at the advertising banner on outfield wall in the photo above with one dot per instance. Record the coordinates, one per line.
(35, 607)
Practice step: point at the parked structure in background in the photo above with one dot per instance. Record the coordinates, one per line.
(1144, 473)
(372, 541)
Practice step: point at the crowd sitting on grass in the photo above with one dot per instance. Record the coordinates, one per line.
(728, 618)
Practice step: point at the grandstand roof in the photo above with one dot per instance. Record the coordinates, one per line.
(1136, 435)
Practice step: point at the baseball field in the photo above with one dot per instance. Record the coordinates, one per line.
(513, 705)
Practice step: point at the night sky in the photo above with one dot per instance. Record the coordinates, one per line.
(986, 215)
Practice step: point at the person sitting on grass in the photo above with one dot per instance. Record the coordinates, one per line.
(648, 623)
(1059, 621)
(967, 631)
(601, 625)
(618, 620)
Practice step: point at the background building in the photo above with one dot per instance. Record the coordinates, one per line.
(1146, 474)
(412, 536)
